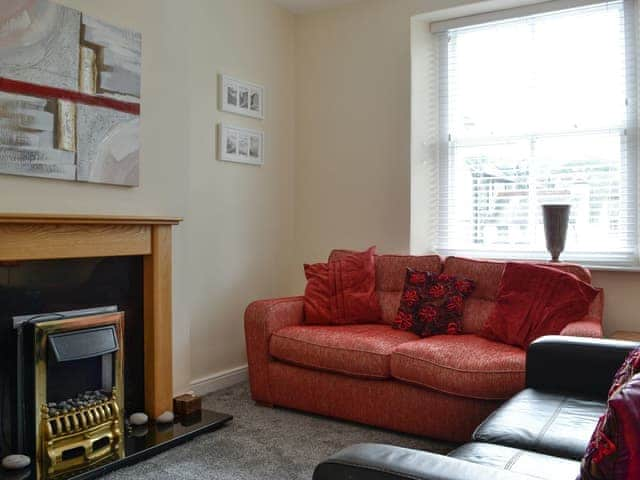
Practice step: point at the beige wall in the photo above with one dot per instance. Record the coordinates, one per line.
(353, 127)
(353, 112)
(238, 226)
(338, 101)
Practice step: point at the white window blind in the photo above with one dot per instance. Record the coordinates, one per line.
(538, 110)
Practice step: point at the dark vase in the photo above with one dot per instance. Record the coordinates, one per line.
(556, 222)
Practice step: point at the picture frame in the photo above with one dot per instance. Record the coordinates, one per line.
(240, 145)
(241, 97)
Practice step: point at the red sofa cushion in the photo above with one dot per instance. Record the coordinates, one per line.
(534, 301)
(611, 453)
(358, 350)
(342, 291)
(432, 304)
(464, 365)
(627, 370)
(487, 275)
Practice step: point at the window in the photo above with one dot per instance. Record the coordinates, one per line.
(540, 109)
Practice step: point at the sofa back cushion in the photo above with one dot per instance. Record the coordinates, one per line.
(487, 275)
(391, 270)
(390, 274)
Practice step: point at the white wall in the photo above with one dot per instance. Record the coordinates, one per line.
(238, 228)
(353, 113)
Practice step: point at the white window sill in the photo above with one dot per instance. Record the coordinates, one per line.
(612, 268)
(593, 267)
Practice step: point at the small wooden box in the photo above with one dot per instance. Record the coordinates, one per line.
(186, 404)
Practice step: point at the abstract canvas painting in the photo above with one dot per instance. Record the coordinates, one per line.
(69, 95)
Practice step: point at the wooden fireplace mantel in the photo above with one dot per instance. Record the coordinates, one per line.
(86, 219)
(50, 236)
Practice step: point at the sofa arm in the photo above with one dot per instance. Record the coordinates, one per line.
(261, 319)
(370, 461)
(587, 327)
(583, 366)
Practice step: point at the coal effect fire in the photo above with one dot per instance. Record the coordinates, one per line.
(87, 399)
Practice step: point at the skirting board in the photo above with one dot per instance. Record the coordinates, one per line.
(218, 381)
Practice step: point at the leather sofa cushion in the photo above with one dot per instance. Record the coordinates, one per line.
(464, 365)
(371, 461)
(358, 350)
(536, 465)
(548, 423)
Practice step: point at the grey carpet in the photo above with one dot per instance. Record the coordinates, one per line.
(263, 443)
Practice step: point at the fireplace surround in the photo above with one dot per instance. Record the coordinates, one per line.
(144, 241)
(47, 236)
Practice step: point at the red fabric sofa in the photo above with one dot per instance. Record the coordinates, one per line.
(442, 386)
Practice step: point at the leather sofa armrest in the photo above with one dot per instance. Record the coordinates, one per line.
(583, 366)
(371, 461)
(261, 319)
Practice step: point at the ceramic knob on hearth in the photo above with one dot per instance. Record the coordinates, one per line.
(166, 417)
(138, 419)
(16, 462)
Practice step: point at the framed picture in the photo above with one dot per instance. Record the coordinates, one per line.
(238, 96)
(241, 145)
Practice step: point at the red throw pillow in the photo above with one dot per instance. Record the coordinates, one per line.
(432, 304)
(534, 301)
(342, 291)
(613, 450)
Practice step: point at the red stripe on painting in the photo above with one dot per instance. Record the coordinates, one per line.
(34, 90)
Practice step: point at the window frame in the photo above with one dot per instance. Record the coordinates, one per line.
(621, 260)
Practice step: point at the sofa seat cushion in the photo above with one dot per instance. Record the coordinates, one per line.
(549, 423)
(464, 365)
(358, 350)
(536, 465)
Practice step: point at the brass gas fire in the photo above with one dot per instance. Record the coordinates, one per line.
(88, 429)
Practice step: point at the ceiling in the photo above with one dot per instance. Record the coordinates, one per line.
(306, 6)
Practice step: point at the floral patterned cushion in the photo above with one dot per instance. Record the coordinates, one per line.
(610, 454)
(629, 368)
(431, 303)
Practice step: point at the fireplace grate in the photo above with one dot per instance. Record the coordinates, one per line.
(82, 435)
